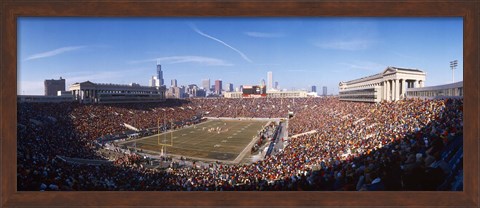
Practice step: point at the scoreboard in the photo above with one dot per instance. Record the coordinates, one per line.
(254, 91)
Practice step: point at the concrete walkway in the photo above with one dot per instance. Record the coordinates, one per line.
(305, 133)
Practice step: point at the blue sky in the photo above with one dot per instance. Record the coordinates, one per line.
(300, 52)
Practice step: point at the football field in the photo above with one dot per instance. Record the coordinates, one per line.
(211, 140)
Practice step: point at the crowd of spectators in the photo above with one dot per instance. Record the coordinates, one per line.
(355, 146)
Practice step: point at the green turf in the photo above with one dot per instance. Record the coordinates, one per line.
(199, 143)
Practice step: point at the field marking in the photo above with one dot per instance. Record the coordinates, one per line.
(235, 145)
(244, 151)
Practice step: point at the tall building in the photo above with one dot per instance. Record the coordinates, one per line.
(263, 82)
(276, 85)
(160, 75)
(206, 84)
(218, 87)
(269, 80)
(153, 82)
(324, 91)
(176, 92)
(314, 88)
(230, 87)
(53, 86)
(174, 83)
(194, 91)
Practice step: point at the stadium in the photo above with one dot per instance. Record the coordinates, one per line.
(244, 144)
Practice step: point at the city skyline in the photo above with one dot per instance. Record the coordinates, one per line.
(300, 52)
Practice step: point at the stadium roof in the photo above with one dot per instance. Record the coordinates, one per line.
(405, 69)
(379, 75)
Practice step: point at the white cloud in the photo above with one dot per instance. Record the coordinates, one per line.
(365, 65)
(264, 35)
(348, 45)
(187, 59)
(407, 56)
(54, 52)
(337, 71)
(223, 43)
(268, 65)
(99, 76)
(301, 70)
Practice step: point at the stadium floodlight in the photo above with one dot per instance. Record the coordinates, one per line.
(453, 65)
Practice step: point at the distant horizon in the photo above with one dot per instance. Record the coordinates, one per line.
(300, 52)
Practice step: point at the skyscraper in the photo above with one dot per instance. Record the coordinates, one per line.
(52, 86)
(276, 85)
(314, 88)
(160, 74)
(230, 87)
(324, 90)
(174, 83)
(218, 87)
(153, 81)
(269, 80)
(206, 84)
(263, 82)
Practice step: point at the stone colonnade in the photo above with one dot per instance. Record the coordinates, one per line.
(85, 94)
(395, 89)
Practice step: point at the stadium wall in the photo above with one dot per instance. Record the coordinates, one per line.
(454, 90)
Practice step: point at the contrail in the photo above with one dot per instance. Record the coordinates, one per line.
(220, 41)
(55, 52)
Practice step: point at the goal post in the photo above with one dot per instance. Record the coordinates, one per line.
(164, 142)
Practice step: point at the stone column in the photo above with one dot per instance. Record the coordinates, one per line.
(90, 95)
(391, 92)
(388, 90)
(394, 85)
(384, 90)
(404, 89)
(394, 90)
